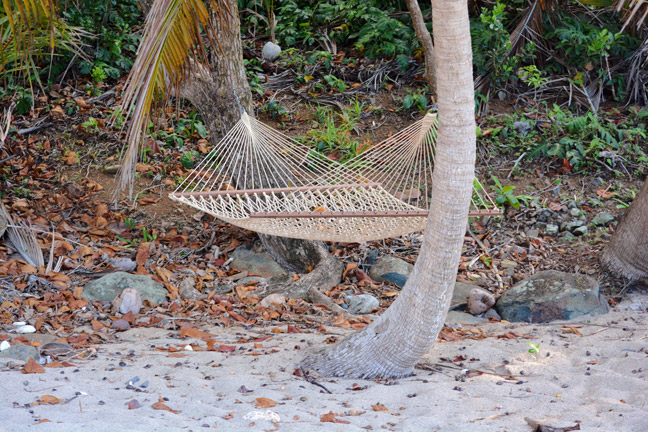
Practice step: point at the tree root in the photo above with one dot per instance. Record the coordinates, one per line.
(301, 256)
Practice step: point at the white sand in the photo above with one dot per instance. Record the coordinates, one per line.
(599, 380)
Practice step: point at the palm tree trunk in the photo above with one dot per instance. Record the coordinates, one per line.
(221, 93)
(627, 253)
(391, 345)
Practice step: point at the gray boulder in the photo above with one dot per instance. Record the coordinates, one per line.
(602, 219)
(458, 317)
(108, 287)
(552, 295)
(389, 264)
(270, 51)
(19, 352)
(460, 295)
(259, 264)
(362, 304)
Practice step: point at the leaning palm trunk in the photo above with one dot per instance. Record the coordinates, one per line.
(391, 346)
(627, 253)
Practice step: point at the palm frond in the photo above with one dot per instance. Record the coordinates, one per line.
(5, 124)
(634, 13)
(31, 30)
(24, 240)
(171, 44)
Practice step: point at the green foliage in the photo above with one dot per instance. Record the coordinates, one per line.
(505, 194)
(364, 25)
(275, 110)
(184, 129)
(189, 159)
(114, 24)
(588, 47)
(491, 44)
(415, 99)
(333, 136)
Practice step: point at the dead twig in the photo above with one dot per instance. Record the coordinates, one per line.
(311, 380)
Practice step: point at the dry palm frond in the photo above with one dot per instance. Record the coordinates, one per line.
(24, 240)
(634, 13)
(171, 43)
(31, 30)
(637, 75)
(5, 124)
(529, 29)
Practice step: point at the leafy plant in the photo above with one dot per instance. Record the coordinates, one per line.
(415, 99)
(189, 159)
(114, 24)
(505, 195)
(535, 349)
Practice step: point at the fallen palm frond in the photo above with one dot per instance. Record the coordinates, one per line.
(634, 13)
(170, 50)
(5, 124)
(30, 31)
(24, 240)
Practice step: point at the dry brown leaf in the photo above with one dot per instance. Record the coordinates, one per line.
(379, 407)
(194, 333)
(262, 402)
(31, 367)
(48, 400)
(160, 405)
(330, 418)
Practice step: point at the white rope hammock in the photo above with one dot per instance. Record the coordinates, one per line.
(259, 179)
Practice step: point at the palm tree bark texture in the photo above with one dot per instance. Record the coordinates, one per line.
(392, 345)
(627, 253)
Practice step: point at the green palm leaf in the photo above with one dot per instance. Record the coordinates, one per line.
(31, 30)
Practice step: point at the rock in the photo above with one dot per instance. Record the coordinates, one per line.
(128, 301)
(4, 345)
(602, 219)
(19, 352)
(598, 182)
(26, 329)
(187, 289)
(492, 313)
(270, 51)
(582, 230)
(273, 301)
(522, 127)
(460, 294)
(259, 264)
(568, 236)
(575, 212)
(123, 264)
(533, 232)
(108, 287)
(362, 303)
(552, 295)
(395, 278)
(389, 264)
(479, 301)
(508, 264)
(552, 230)
(120, 325)
(572, 225)
(457, 317)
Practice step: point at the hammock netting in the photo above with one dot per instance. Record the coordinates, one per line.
(259, 179)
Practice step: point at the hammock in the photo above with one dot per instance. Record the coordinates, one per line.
(261, 180)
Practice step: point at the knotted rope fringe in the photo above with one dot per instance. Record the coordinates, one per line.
(259, 179)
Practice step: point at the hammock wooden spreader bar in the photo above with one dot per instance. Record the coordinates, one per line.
(259, 179)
